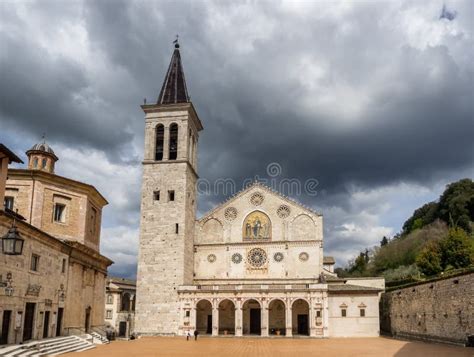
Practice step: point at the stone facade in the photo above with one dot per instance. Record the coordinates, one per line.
(35, 194)
(120, 306)
(253, 265)
(437, 310)
(56, 286)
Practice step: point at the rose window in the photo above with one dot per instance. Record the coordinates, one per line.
(278, 257)
(257, 257)
(256, 199)
(304, 256)
(230, 213)
(236, 258)
(283, 211)
(211, 258)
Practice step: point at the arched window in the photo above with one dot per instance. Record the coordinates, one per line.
(160, 133)
(173, 154)
(35, 162)
(44, 164)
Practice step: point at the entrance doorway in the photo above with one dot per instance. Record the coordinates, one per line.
(255, 321)
(209, 324)
(59, 323)
(87, 325)
(122, 328)
(277, 318)
(251, 312)
(300, 317)
(28, 324)
(303, 325)
(204, 317)
(7, 315)
(46, 324)
(226, 317)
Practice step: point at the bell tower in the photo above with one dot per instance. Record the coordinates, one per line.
(168, 204)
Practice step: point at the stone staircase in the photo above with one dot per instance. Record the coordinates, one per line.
(98, 339)
(49, 347)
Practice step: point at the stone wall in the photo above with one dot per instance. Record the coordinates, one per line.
(437, 310)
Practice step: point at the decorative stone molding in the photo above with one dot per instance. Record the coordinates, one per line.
(278, 257)
(283, 211)
(230, 213)
(257, 198)
(303, 256)
(33, 290)
(236, 258)
(211, 258)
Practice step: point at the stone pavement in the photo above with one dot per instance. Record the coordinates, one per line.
(273, 347)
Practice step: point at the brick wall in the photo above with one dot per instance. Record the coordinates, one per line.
(437, 310)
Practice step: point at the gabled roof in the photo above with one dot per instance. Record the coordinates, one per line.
(263, 187)
(6, 152)
(174, 88)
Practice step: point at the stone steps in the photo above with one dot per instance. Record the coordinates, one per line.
(49, 347)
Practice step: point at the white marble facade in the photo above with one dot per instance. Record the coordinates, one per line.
(253, 265)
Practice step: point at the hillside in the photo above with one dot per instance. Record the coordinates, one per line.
(437, 238)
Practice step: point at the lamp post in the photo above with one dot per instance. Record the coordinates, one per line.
(12, 243)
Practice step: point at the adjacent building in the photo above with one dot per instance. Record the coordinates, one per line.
(55, 285)
(253, 265)
(120, 306)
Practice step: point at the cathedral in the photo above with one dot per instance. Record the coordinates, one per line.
(252, 266)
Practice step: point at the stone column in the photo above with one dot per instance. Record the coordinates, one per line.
(288, 320)
(215, 321)
(264, 319)
(238, 319)
(166, 142)
(193, 320)
(325, 313)
(312, 319)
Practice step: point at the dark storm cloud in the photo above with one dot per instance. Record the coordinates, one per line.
(346, 94)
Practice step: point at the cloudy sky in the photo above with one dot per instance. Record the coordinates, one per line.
(372, 99)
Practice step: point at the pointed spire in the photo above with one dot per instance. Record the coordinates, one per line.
(174, 87)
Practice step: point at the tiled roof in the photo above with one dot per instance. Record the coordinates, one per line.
(329, 260)
(351, 288)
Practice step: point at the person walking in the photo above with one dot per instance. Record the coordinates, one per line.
(188, 335)
(196, 333)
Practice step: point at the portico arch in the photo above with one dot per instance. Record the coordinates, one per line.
(300, 317)
(252, 317)
(276, 317)
(226, 317)
(204, 317)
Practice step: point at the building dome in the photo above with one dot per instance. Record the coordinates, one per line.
(41, 157)
(44, 147)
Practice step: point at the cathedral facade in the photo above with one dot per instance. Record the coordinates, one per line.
(252, 266)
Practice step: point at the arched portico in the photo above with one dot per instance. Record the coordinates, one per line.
(276, 317)
(300, 317)
(252, 317)
(226, 317)
(204, 317)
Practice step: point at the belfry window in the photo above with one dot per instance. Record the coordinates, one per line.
(43, 164)
(160, 133)
(173, 153)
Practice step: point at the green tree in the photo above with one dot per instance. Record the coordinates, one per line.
(359, 266)
(384, 241)
(456, 204)
(457, 249)
(430, 259)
